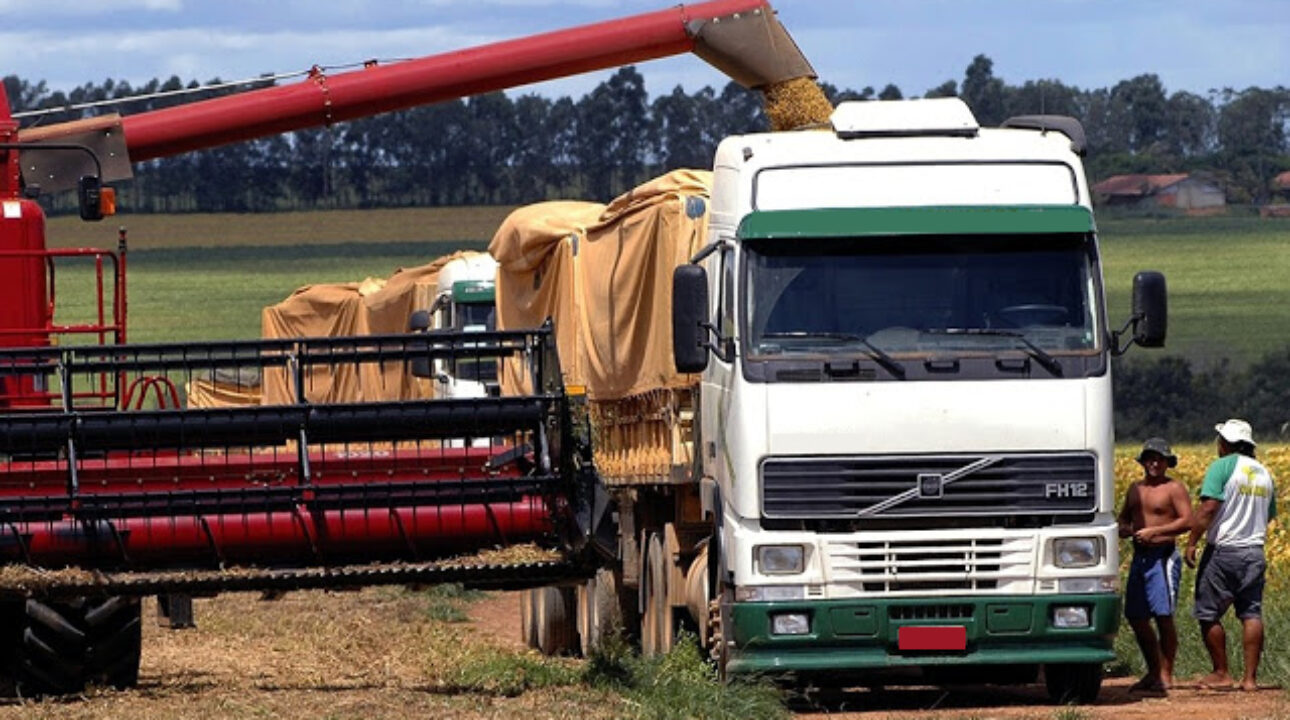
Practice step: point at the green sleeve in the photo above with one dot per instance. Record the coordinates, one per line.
(1215, 483)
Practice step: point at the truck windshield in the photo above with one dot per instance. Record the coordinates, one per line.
(923, 296)
(476, 316)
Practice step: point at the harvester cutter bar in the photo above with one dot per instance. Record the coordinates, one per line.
(201, 583)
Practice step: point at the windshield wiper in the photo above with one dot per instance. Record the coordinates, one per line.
(1050, 363)
(877, 354)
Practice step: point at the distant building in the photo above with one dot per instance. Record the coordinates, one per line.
(1179, 191)
(1281, 184)
(1279, 207)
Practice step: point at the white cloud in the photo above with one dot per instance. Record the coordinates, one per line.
(46, 8)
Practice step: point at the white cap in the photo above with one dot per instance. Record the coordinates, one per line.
(1235, 431)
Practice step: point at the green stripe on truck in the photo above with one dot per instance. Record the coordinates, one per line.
(862, 634)
(872, 222)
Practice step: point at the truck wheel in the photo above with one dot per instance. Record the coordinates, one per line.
(1073, 683)
(557, 626)
(67, 645)
(657, 635)
(598, 613)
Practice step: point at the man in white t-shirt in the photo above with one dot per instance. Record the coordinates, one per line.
(1237, 500)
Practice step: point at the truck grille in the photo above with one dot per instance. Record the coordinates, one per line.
(914, 486)
(927, 565)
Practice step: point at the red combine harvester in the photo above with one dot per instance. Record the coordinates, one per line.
(111, 487)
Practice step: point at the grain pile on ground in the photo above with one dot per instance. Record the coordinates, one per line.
(795, 104)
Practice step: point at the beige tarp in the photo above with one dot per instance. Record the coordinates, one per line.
(373, 307)
(313, 311)
(603, 274)
(214, 394)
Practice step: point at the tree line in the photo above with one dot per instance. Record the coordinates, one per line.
(1173, 397)
(499, 149)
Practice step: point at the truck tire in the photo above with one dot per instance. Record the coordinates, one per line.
(598, 611)
(657, 632)
(557, 624)
(65, 646)
(1073, 684)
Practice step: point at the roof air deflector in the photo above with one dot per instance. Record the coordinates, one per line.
(1064, 124)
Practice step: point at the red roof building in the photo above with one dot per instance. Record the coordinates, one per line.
(1180, 191)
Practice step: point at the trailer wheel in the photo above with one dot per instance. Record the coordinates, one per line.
(657, 634)
(528, 620)
(598, 611)
(66, 645)
(1073, 683)
(557, 625)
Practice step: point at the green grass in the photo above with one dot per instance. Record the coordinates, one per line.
(209, 276)
(186, 294)
(1227, 277)
(508, 674)
(447, 603)
(679, 685)
(1193, 660)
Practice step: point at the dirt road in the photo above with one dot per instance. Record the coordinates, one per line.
(496, 615)
(380, 653)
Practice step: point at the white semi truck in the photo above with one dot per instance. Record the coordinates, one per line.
(906, 425)
(463, 302)
(897, 447)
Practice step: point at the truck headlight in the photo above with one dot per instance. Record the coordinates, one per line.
(1079, 552)
(1070, 616)
(780, 559)
(793, 623)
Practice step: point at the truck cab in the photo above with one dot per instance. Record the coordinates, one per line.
(906, 427)
(465, 301)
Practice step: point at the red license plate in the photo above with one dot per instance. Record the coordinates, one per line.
(940, 637)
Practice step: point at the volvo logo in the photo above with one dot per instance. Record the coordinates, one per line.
(931, 485)
(1066, 490)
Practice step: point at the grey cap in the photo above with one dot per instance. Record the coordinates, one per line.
(1159, 446)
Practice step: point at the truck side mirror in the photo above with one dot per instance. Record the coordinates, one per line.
(690, 318)
(1150, 308)
(419, 322)
(1150, 318)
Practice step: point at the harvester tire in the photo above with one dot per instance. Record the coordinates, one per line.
(557, 622)
(65, 646)
(10, 636)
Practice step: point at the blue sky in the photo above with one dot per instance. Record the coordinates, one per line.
(1193, 45)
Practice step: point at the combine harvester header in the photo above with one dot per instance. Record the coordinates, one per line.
(113, 486)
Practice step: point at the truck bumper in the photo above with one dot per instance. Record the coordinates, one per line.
(864, 634)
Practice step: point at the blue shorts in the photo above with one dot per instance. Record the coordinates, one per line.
(1154, 575)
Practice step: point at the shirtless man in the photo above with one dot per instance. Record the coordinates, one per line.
(1156, 511)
